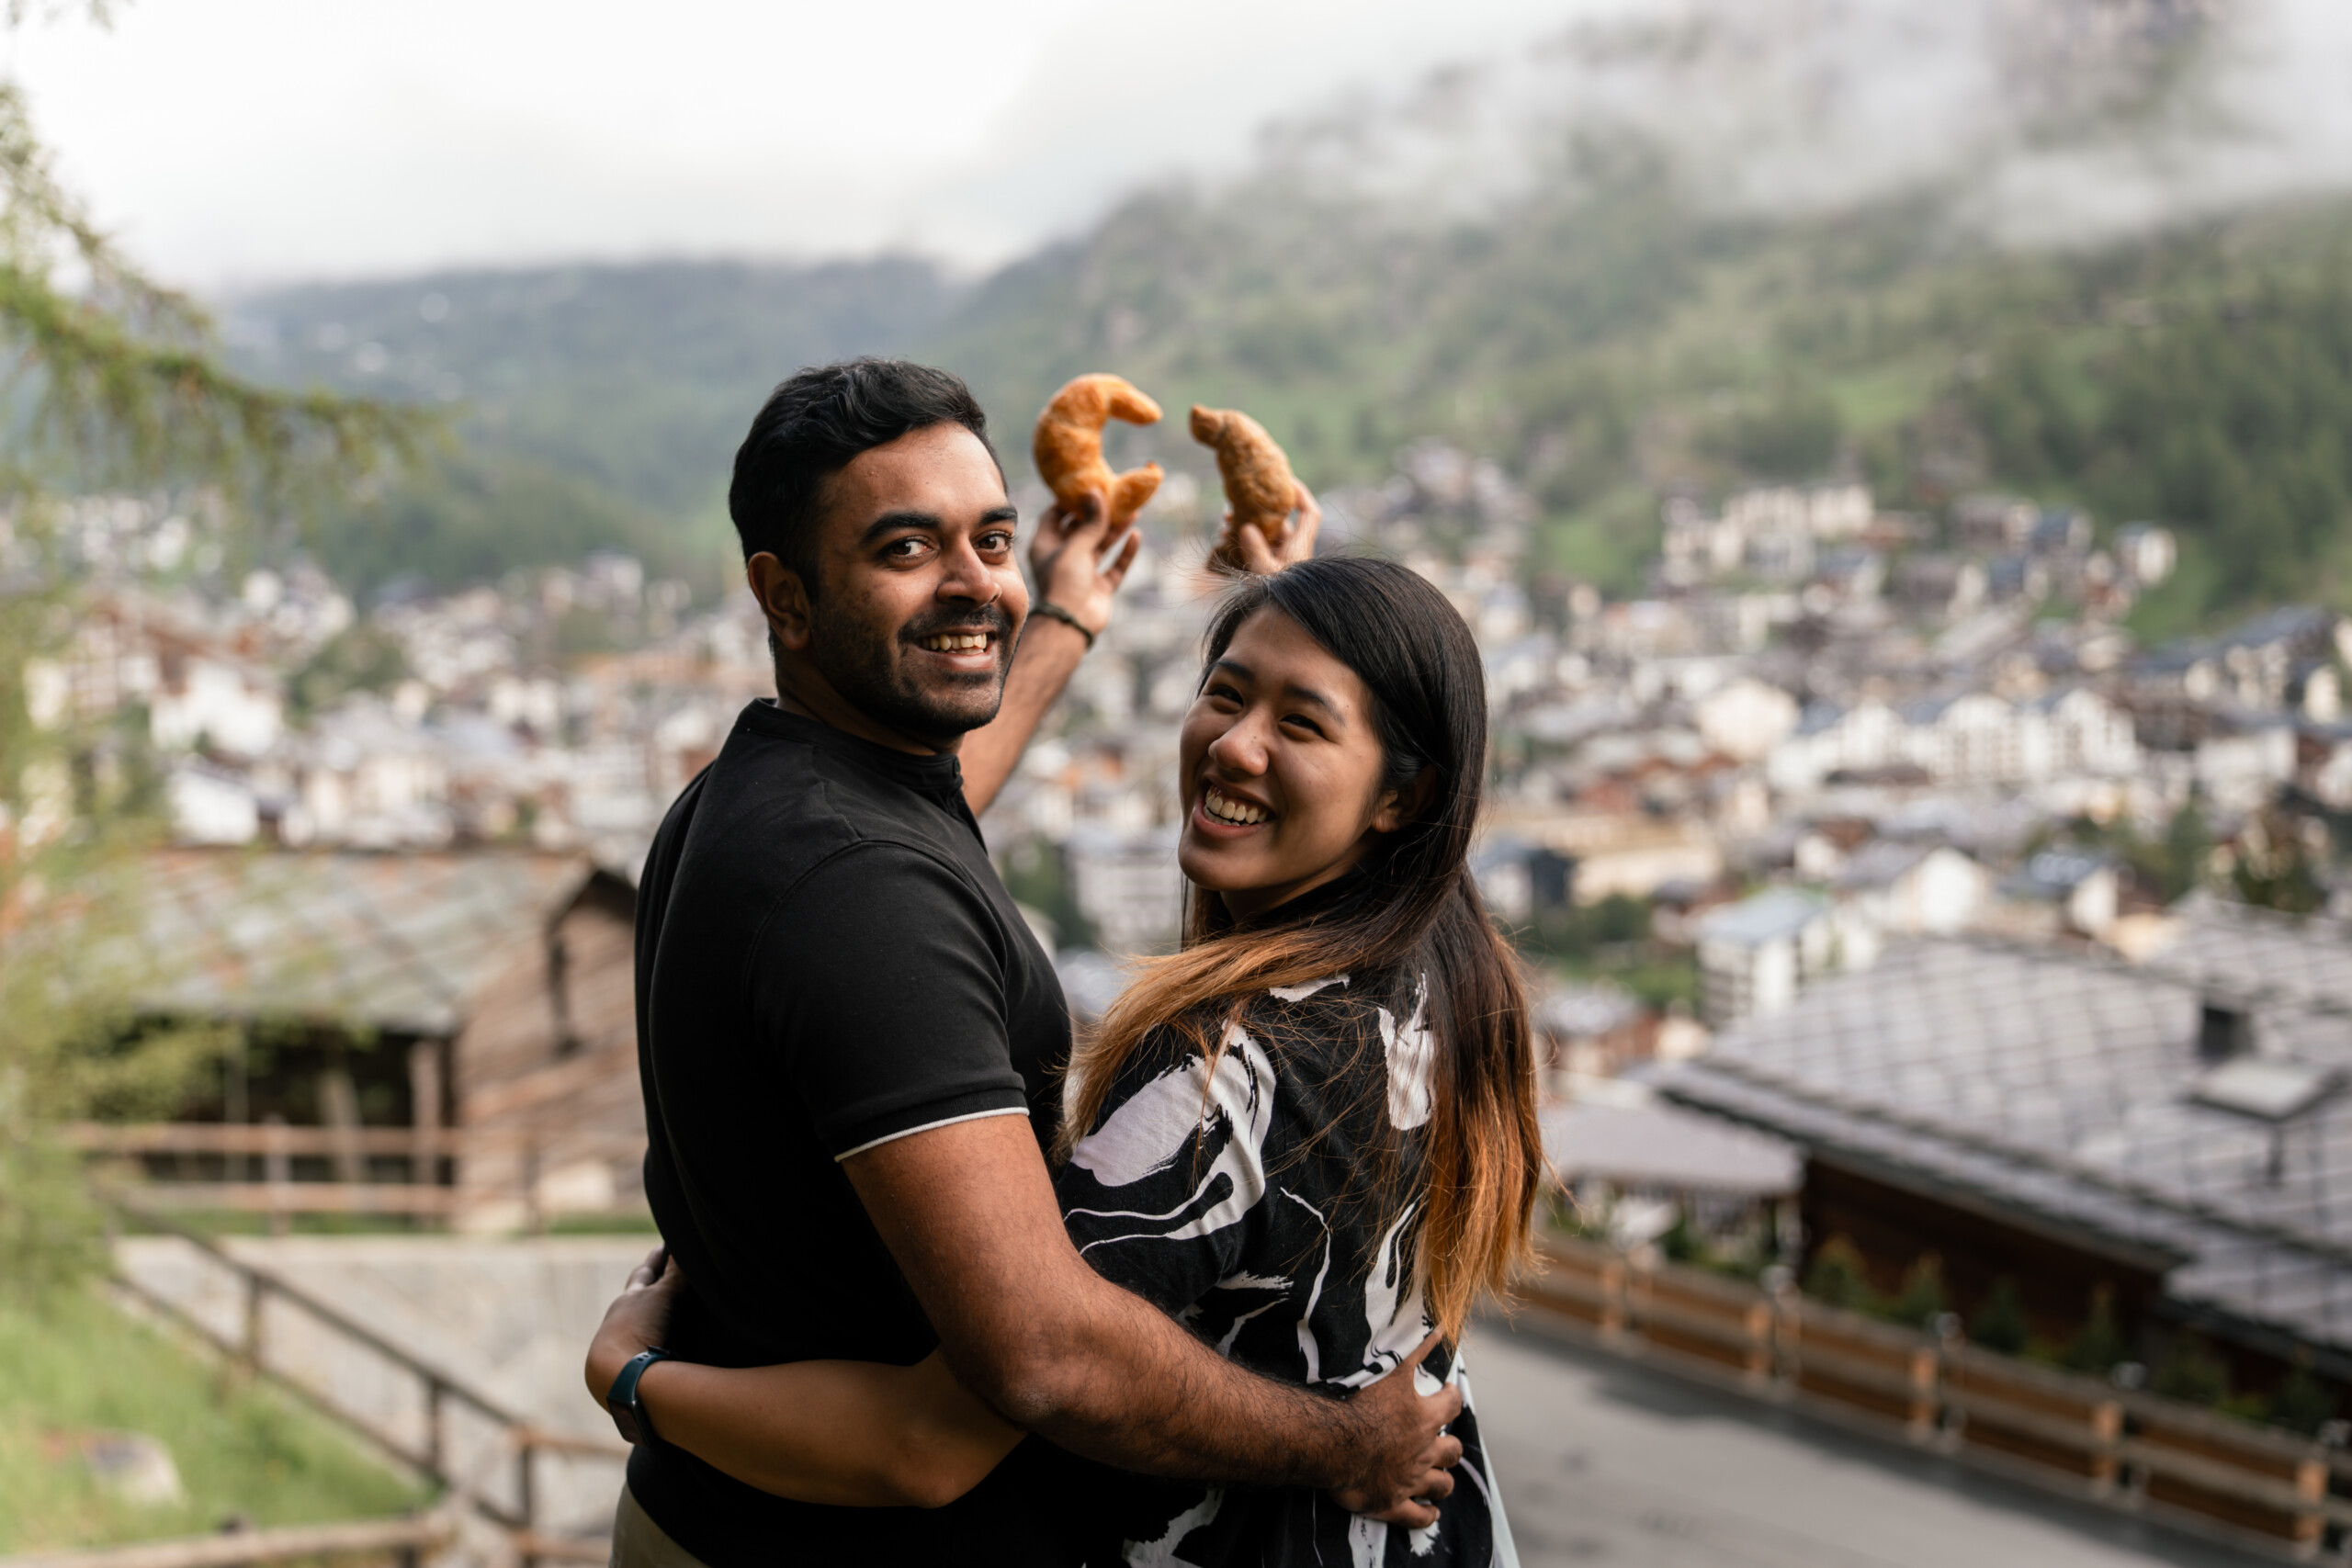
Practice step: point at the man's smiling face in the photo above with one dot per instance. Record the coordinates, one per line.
(919, 599)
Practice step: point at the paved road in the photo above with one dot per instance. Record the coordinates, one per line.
(1604, 1463)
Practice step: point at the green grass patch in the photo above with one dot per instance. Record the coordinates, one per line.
(242, 1447)
(242, 1222)
(603, 1225)
(1656, 980)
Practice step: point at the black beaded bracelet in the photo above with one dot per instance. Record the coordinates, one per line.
(1054, 611)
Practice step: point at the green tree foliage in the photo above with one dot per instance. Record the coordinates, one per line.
(1038, 874)
(1922, 1296)
(2274, 868)
(472, 518)
(1838, 1276)
(2304, 1404)
(2191, 1372)
(2100, 1344)
(634, 382)
(2166, 864)
(2188, 844)
(1790, 431)
(113, 382)
(1999, 1325)
(1577, 931)
(361, 659)
(2227, 416)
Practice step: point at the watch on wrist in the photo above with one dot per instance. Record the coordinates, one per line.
(628, 1411)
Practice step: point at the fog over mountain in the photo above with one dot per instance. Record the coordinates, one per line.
(2035, 119)
(269, 141)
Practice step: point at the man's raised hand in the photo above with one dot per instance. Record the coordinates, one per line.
(1410, 1470)
(1078, 562)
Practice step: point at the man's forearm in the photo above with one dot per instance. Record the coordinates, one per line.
(967, 1211)
(1109, 1375)
(1042, 666)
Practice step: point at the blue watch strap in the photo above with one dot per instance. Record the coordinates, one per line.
(629, 1412)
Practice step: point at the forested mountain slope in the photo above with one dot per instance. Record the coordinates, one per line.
(596, 404)
(1606, 336)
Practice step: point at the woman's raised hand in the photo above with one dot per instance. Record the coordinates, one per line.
(1249, 550)
(637, 1319)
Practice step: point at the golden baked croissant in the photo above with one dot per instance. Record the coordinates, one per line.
(1068, 446)
(1258, 480)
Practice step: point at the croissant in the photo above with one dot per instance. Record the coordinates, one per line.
(1068, 446)
(1258, 480)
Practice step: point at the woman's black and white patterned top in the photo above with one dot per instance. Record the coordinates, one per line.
(1275, 1209)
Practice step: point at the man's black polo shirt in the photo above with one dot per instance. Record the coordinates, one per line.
(825, 961)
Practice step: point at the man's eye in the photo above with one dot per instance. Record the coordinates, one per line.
(907, 548)
(998, 540)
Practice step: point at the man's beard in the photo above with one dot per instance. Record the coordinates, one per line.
(862, 664)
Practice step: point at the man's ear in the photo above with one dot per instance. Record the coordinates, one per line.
(1400, 807)
(783, 598)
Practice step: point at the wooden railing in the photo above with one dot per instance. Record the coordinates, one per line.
(233, 1149)
(501, 1439)
(2128, 1449)
(406, 1540)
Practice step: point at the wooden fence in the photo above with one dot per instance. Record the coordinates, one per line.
(462, 1442)
(404, 1540)
(2079, 1434)
(214, 1164)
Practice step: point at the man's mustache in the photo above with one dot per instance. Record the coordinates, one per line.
(987, 618)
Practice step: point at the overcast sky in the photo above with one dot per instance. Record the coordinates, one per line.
(240, 142)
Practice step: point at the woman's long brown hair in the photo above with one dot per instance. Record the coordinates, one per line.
(1414, 907)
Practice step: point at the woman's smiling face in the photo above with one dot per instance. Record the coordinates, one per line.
(1280, 768)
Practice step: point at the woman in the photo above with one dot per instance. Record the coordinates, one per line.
(1310, 1133)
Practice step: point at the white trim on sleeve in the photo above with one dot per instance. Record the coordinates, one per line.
(945, 1122)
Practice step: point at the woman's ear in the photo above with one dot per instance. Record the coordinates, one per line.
(1400, 807)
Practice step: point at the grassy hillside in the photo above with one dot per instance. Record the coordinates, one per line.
(1607, 339)
(241, 1448)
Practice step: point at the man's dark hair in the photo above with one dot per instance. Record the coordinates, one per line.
(809, 430)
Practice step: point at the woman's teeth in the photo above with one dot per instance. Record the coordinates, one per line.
(955, 642)
(1226, 809)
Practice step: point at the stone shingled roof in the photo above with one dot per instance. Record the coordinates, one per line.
(401, 943)
(2060, 1088)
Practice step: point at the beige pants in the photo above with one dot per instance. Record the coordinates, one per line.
(638, 1542)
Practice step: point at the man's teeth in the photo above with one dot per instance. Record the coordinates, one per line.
(955, 642)
(1226, 809)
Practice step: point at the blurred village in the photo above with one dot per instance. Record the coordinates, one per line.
(1864, 845)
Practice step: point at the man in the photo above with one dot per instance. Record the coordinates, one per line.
(845, 1026)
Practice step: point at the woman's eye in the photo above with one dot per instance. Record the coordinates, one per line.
(1222, 694)
(1300, 721)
